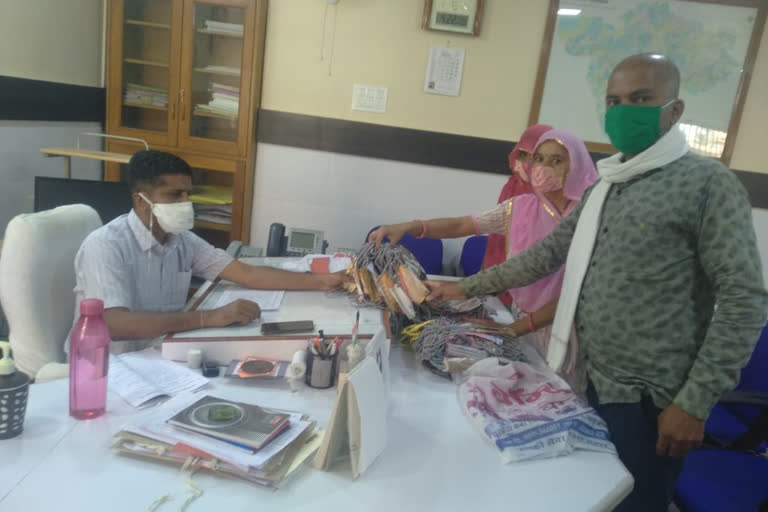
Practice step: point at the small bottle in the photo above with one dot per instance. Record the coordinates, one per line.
(88, 362)
(14, 389)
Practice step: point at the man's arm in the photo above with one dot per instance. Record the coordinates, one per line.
(530, 265)
(267, 278)
(728, 254)
(124, 324)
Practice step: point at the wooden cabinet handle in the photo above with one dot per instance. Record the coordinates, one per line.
(181, 106)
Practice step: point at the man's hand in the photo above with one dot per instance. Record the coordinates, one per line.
(441, 291)
(241, 312)
(393, 231)
(679, 432)
(330, 281)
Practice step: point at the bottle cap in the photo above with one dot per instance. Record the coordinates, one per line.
(91, 307)
(7, 366)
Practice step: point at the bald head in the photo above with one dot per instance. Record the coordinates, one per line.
(647, 79)
(655, 68)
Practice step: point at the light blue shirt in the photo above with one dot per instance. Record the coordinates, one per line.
(122, 264)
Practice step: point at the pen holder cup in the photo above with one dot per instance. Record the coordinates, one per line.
(321, 371)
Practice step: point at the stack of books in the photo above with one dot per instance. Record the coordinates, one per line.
(224, 102)
(235, 29)
(257, 444)
(212, 203)
(145, 95)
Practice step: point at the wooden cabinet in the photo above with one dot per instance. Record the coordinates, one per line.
(185, 75)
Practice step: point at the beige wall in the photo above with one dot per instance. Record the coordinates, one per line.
(380, 42)
(52, 40)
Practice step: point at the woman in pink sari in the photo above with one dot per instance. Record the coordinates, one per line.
(520, 159)
(561, 171)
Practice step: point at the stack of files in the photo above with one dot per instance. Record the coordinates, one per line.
(219, 214)
(145, 95)
(158, 436)
(213, 203)
(224, 102)
(220, 26)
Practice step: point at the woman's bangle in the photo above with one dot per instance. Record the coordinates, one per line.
(423, 229)
(531, 325)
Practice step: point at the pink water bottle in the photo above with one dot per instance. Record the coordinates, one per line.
(88, 362)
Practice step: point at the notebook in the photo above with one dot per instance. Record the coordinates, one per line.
(244, 424)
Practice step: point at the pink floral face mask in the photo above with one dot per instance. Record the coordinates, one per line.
(544, 179)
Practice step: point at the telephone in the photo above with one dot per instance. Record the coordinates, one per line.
(297, 242)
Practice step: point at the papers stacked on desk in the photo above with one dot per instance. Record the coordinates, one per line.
(143, 378)
(153, 437)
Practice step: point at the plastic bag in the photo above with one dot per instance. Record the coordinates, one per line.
(529, 413)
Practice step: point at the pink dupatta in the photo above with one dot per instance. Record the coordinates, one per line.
(533, 217)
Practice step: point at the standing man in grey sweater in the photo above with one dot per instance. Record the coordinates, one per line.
(663, 284)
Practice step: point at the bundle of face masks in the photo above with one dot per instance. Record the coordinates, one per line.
(391, 277)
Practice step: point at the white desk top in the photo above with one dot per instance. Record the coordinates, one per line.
(333, 314)
(433, 461)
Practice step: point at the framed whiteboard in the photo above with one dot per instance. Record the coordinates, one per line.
(714, 43)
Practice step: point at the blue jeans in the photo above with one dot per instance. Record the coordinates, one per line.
(634, 432)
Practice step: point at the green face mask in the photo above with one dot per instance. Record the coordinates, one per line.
(633, 128)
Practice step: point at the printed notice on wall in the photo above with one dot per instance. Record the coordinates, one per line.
(444, 71)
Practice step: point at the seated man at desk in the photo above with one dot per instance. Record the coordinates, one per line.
(141, 264)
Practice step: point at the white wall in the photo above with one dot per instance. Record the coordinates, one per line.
(21, 161)
(760, 218)
(345, 196)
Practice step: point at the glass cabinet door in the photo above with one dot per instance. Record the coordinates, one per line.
(144, 70)
(215, 86)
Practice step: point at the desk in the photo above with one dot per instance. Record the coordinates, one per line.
(434, 461)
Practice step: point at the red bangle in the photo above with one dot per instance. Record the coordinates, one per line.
(423, 229)
(531, 325)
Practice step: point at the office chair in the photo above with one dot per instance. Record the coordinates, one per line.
(428, 251)
(728, 472)
(472, 254)
(37, 278)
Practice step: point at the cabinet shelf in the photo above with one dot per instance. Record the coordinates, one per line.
(213, 226)
(153, 63)
(223, 33)
(144, 105)
(185, 75)
(215, 116)
(149, 24)
(222, 72)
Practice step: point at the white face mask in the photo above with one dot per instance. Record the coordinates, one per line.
(174, 218)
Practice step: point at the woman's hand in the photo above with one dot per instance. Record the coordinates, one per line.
(441, 291)
(392, 231)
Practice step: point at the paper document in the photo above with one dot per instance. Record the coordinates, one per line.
(335, 263)
(142, 377)
(268, 300)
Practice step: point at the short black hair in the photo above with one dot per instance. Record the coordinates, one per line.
(146, 167)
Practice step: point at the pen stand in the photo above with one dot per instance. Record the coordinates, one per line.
(321, 370)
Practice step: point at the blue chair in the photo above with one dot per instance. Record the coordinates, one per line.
(427, 251)
(472, 254)
(727, 473)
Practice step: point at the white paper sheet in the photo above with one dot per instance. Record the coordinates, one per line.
(141, 377)
(367, 421)
(268, 300)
